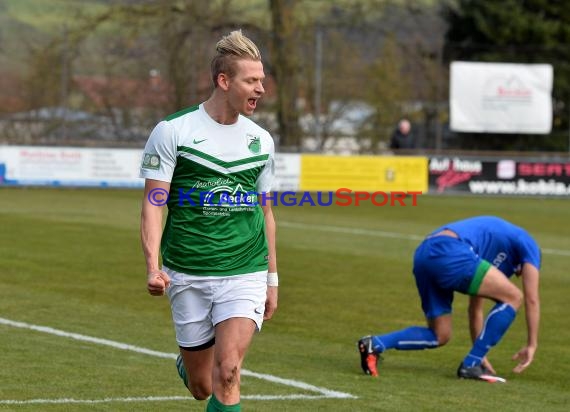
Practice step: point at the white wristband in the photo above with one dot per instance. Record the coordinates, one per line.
(272, 279)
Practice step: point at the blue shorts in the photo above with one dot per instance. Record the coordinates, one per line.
(443, 265)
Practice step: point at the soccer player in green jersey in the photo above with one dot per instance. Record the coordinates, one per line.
(209, 164)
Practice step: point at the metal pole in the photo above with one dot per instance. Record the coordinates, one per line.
(318, 82)
(64, 85)
(438, 131)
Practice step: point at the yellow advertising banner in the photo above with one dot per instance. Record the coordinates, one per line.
(364, 173)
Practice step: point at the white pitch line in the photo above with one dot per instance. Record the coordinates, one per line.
(149, 399)
(85, 338)
(380, 233)
(326, 393)
(301, 385)
(350, 230)
(556, 252)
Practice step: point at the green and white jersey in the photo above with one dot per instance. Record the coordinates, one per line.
(215, 225)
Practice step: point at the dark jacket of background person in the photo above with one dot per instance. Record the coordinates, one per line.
(402, 138)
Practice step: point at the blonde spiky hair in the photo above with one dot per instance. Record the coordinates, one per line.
(230, 48)
(239, 45)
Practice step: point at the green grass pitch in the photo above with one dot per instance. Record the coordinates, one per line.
(71, 260)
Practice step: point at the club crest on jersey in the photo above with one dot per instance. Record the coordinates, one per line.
(253, 143)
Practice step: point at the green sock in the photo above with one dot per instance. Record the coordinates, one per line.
(181, 370)
(214, 405)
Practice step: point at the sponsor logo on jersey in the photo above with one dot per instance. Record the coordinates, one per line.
(212, 183)
(151, 161)
(227, 196)
(198, 141)
(253, 143)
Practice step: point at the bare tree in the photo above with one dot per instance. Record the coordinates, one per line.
(286, 69)
(387, 91)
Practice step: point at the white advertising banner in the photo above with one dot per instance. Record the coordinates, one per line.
(501, 97)
(287, 172)
(69, 166)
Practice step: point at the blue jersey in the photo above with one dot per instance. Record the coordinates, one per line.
(499, 242)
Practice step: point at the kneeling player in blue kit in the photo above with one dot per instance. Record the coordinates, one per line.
(475, 256)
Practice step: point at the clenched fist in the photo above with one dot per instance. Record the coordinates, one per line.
(157, 282)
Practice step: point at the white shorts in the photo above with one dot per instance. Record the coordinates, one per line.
(199, 303)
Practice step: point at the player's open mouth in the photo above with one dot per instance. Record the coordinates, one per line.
(252, 103)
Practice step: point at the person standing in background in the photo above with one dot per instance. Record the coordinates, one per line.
(402, 137)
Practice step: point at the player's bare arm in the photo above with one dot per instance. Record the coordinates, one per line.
(475, 312)
(151, 231)
(270, 230)
(530, 282)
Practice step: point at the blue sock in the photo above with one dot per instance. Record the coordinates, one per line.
(496, 324)
(413, 338)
